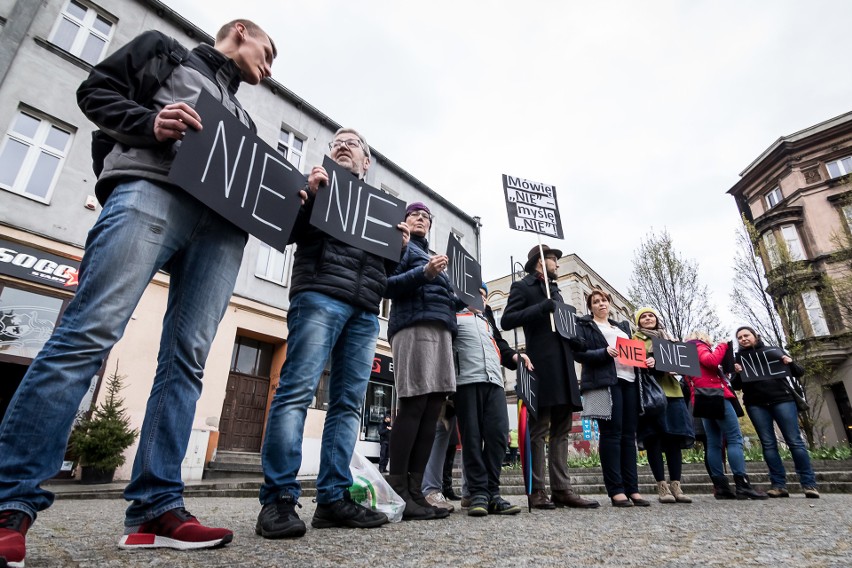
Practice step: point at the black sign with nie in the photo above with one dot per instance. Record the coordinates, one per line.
(358, 214)
(676, 357)
(232, 171)
(565, 318)
(465, 274)
(527, 389)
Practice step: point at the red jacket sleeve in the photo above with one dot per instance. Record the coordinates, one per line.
(711, 358)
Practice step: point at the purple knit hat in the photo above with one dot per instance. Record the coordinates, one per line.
(417, 206)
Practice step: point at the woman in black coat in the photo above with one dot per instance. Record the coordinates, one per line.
(558, 392)
(610, 395)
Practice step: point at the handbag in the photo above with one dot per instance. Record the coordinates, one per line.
(735, 402)
(801, 403)
(652, 399)
(709, 403)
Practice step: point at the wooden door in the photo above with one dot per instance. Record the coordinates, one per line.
(244, 413)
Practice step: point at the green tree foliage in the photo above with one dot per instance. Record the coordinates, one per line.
(100, 440)
(662, 278)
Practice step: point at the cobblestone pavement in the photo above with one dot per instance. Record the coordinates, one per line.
(780, 532)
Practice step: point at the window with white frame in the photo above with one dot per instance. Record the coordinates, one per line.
(32, 155)
(271, 264)
(771, 246)
(791, 314)
(793, 242)
(291, 147)
(813, 308)
(847, 215)
(840, 167)
(82, 31)
(773, 198)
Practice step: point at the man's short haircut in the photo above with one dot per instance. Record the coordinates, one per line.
(253, 29)
(363, 140)
(594, 293)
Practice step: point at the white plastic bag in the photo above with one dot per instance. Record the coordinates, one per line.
(370, 489)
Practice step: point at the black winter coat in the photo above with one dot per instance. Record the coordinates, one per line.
(598, 366)
(550, 354)
(326, 265)
(417, 299)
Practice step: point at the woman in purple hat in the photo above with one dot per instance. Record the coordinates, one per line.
(421, 328)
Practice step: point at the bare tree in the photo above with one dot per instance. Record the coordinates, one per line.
(662, 278)
(749, 299)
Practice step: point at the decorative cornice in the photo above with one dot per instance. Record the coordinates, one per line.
(777, 215)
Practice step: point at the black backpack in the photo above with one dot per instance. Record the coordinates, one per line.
(103, 143)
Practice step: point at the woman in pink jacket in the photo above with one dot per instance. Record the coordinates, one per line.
(724, 424)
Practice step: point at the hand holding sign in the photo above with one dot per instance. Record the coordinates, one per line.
(631, 352)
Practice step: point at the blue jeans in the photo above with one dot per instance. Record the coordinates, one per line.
(786, 415)
(729, 427)
(434, 475)
(319, 327)
(142, 228)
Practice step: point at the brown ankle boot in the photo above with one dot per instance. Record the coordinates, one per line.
(538, 500)
(567, 498)
(678, 493)
(664, 493)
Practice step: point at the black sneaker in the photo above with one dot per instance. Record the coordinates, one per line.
(279, 519)
(478, 506)
(499, 506)
(346, 513)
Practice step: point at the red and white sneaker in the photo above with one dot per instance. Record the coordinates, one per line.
(175, 529)
(13, 543)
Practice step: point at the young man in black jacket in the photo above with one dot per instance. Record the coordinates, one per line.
(146, 224)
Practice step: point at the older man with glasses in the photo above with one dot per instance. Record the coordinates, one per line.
(335, 294)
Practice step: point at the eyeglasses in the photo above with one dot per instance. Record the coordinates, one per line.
(350, 143)
(420, 215)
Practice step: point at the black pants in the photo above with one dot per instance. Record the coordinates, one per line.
(618, 440)
(656, 446)
(384, 445)
(414, 432)
(484, 427)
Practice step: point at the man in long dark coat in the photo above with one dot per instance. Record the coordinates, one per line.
(558, 390)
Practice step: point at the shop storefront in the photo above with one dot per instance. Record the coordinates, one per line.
(35, 288)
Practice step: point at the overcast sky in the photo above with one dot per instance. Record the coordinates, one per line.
(642, 114)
